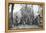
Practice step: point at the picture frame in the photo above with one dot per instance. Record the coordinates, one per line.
(42, 16)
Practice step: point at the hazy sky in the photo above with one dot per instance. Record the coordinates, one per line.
(35, 9)
(17, 8)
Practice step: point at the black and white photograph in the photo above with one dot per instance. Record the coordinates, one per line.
(25, 16)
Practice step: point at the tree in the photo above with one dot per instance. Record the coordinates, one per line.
(27, 14)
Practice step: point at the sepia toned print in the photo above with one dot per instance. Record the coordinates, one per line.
(25, 16)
